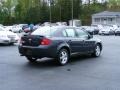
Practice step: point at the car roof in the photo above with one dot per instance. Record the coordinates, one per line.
(58, 27)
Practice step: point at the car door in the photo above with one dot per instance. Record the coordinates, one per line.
(74, 42)
(88, 43)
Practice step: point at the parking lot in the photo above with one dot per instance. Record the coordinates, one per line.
(82, 73)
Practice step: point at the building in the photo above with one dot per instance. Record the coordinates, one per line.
(106, 18)
(75, 22)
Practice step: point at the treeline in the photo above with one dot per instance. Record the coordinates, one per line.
(39, 11)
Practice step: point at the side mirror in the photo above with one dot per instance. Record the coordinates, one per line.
(90, 36)
(91, 33)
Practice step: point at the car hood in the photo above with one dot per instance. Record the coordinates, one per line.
(97, 39)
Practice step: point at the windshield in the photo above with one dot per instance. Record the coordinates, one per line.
(44, 31)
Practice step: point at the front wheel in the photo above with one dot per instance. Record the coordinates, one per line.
(97, 51)
(31, 59)
(63, 57)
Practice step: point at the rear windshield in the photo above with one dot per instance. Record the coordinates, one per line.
(44, 31)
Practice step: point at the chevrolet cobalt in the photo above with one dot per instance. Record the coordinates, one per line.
(59, 42)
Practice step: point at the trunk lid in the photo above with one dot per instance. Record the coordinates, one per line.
(31, 40)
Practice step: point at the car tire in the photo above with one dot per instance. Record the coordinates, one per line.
(31, 59)
(63, 57)
(97, 51)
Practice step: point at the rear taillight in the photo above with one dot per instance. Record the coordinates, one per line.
(45, 41)
(20, 40)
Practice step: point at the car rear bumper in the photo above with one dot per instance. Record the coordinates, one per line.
(4, 41)
(7, 41)
(37, 52)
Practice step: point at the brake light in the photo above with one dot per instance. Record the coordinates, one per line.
(21, 40)
(45, 41)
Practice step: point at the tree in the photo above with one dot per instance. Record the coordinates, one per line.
(65, 9)
(77, 6)
(114, 5)
(38, 11)
(27, 9)
(44, 12)
(7, 11)
(89, 9)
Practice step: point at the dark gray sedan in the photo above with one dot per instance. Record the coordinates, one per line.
(58, 42)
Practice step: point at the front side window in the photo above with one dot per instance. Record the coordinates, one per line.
(70, 32)
(82, 34)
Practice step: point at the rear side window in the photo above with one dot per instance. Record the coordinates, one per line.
(59, 33)
(70, 32)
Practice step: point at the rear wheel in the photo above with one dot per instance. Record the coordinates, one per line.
(31, 59)
(97, 51)
(63, 57)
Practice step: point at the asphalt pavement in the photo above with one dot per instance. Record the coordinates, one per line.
(82, 73)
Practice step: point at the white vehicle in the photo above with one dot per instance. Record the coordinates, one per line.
(106, 30)
(115, 27)
(7, 37)
(16, 29)
(117, 31)
(61, 23)
(46, 24)
(75, 23)
(100, 27)
(89, 29)
(97, 28)
(8, 28)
